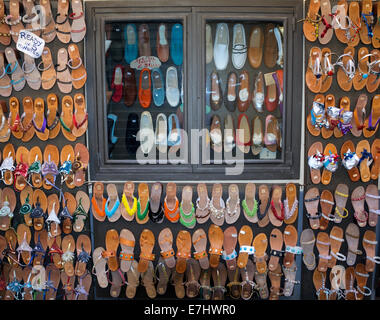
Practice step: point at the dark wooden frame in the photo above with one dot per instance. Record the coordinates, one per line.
(194, 14)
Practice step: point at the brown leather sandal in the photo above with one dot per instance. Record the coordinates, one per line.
(112, 243)
(216, 238)
(183, 243)
(147, 241)
(245, 238)
(260, 243)
(165, 240)
(27, 119)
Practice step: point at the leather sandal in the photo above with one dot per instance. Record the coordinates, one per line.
(21, 170)
(187, 211)
(49, 168)
(80, 214)
(78, 26)
(171, 203)
(332, 121)
(112, 243)
(163, 277)
(165, 240)
(276, 244)
(323, 246)
(80, 164)
(68, 286)
(327, 203)
(330, 163)
(341, 196)
(5, 35)
(352, 237)
(311, 200)
(245, 238)
(148, 280)
(365, 159)
(373, 80)
(350, 160)
(216, 238)
(371, 124)
(361, 74)
(202, 212)
(365, 31)
(98, 202)
(375, 151)
(66, 118)
(260, 243)
(32, 75)
(250, 204)
(340, 24)
(376, 28)
(177, 282)
(5, 81)
(14, 122)
(7, 166)
(156, 211)
(361, 276)
(117, 282)
(47, 24)
(133, 277)
(183, 243)
(65, 170)
(345, 117)
(229, 244)
(219, 277)
(290, 279)
(39, 211)
(275, 279)
(337, 280)
(354, 25)
(39, 120)
(69, 205)
(247, 285)
(99, 265)
(199, 240)
(127, 244)
(369, 244)
(217, 205)
(336, 240)
(307, 242)
(311, 23)
(358, 119)
(319, 281)
(83, 246)
(27, 119)
(52, 120)
(23, 238)
(346, 72)
(112, 207)
(5, 132)
(290, 241)
(62, 23)
(313, 75)
(80, 116)
(53, 222)
(68, 248)
(232, 204)
(276, 211)
(315, 161)
(264, 204)
(325, 25)
(290, 204)
(147, 241)
(40, 248)
(234, 284)
(193, 272)
(327, 69)
(14, 19)
(26, 198)
(357, 201)
(372, 200)
(129, 201)
(78, 71)
(48, 72)
(64, 80)
(262, 287)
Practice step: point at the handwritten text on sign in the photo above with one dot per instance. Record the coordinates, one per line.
(145, 62)
(30, 44)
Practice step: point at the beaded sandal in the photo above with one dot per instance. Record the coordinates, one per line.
(127, 244)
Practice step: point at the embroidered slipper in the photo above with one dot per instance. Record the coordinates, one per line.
(375, 151)
(69, 205)
(307, 242)
(32, 75)
(311, 200)
(156, 211)
(327, 204)
(53, 124)
(49, 74)
(229, 245)
(276, 210)
(276, 243)
(352, 237)
(142, 216)
(361, 74)
(361, 276)
(7, 167)
(68, 286)
(219, 278)
(127, 244)
(337, 281)
(373, 80)
(82, 158)
(8, 205)
(290, 241)
(357, 201)
(264, 204)
(26, 198)
(5, 30)
(47, 22)
(40, 248)
(372, 199)
(78, 71)
(21, 170)
(64, 80)
(80, 116)
(98, 202)
(369, 244)
(341, 197)
(53, 278)
(14, 19)
(327, 69)
(27, 119)
(340, 21)
(99, 267)
(330, 163)
(216, 238)
(290, 204)
(193, 272)
(65, 170)
(129, 201)
(50, 166)
(165, 240)
(363, 152)
(345, 117)
(371, 124)
(23, 238)
(260, 244)
(5, 131)
(336, 240)
(81, 212)
(112, 207)
(202, 212)
(53, 222)
(68, 248)
(217, 205)
(83, 247)
(39, 120)
(358, 119)
(183, 243)
(5, 81)
(244, 288)
(133, 280)
(250, 204)
(147, 241)
(78, 26)
(62, 23)
(14, 121)
(310, 25)
(350, 160)
(232, 204)
(346, 72)
(199, 240)
(319, 281)
(330, 110)
(313, 75)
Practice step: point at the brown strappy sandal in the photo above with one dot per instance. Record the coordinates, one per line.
(27, 119)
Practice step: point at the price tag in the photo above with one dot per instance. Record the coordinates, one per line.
(30, 44)
(265, 154)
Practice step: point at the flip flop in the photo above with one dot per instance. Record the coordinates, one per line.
(340, 21)
(354, 25)
(358, 119)
(307, 242)
(147, 241)
(313, 75)
(319, 281)
(5, 131)
(250, 204)
(247, 285)
(32, 75)
(171, 203)
(40, 248)
(327, 69)
(26, 198)
(112, 207)
(263, 206)
(373, 80)
(375, 151)
(62, 24)
(53, 123)
(165, 240)
(183, 243)
(133, 280)
(371, 124)
(47, 23)
(310, 24)
(66, 159)
(78, 71)
(52, 221)
(311, 200)
(68, 286)
(363, 152)
(83, 247)
(290, 241)
(276, 211)
(336, 240)
(350, 160)
(361, 74)
(53, 278)
(55, 251)
(216, 238)
(291, 204)
(357, 201)
(325, 25)
(372, 199)
(352, 237)
(80, 116)
(365, 31)
(276, 244)
(48, 72)
(98, 202)
(78, 26)
(99, 265)
(69, 205)
(21, 170)
(156, 212)
(27, 119)
(14, 19)
(39, 120)
(23, 238)
(219, 277)
(81, 212)
(344, 125)
(341, 197)
(5, 35)
(229, 244)
(50, 166)
(14, 118)
(187, 211)
(330, 163)
(217, 206)
(202, 212)
(232, 204)
(328, 129)
(82, 158)
(315, 161)
(129, 201)
(361, 276)
(376, 28)
(9, 156)
(260, 243)
(66, 118)
(346, 72)
(83, 287)
(8, 202)
(68, 248)
(327, 204)
(369, 244)
(199, 240)
(64, 80)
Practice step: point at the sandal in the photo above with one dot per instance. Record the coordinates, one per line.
(341, 197)
(66, 118)
(47, 23)
(372, 199)
(40, 249)
(55, 251)
(357, 201)
(133, 280)
(49, 168)
(275, 279)
(373, 80)
(98, 202)
(69, 205)
(7, 167)
(375, 151)
(247, 285)
(314, 70)
(177, 281)
(112, 244)
(127, 244)
(290, 241)
(53, 278)
(325, 25)
(219, 277)
(26, 197)
(361, 74)
(358, 119)
(81, 212)
(217, 206)
(5, 35)
(232, 204)
(260, 243)
(336, 240)
(80, 116)
(31, 73)
(193, 272)
(262, 287)
(147, 241)
(14, 19)
(5, 81)
(82, 158)
(171, 203)
(229, 244)
(361, 276)
(311, 23)
(202, 212)
(156, 212)
(245, 238)
(52, 220)
(52, 120)
(83, 254)
(290, 204)
(276, 242)
(330, 163)
(165, 240)
(216, 238)
(21, 170)
(27, 119)
(311, 200)
(99, 265)
(64, 80)
(327, 204)
(234, 285)
(5, 131)
(264, 204)
(290, 279)
(332, 114)
(186, 209)
(199, 240)
(250, 202)
(83, 287)
(319, 281)
(8, 205)
(345, 117)
(350, 160)
(341, 21)
(369, 244)
(363, 150)
(350, 293)
(62, 24)
(315, 161)
(163, 278)
(14, 121)
(129, 201)
(117, 282)
(112, 205)
(48, 72)
(307, 243)
(68, 286)
(78, 26)
(352, 238)
(367, 16)
(68, 248)
(337, 281)
(78, 71)
(65, 170)
(183, 243)
(23, 238)
(371, 124)
(346, 72)
(323, 246)
(276, 211)
(39, 120)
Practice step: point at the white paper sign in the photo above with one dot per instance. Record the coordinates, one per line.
(142, 62)
(30, 44)
(265, 154)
